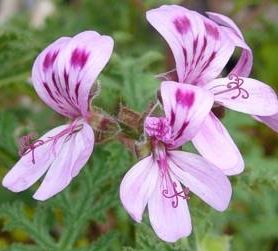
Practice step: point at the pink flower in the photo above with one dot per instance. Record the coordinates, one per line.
(62, 75)
(163, 180)
(202, 47)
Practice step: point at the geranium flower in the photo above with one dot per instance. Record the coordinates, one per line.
(202, 47)
(163, 180)
(62, 75)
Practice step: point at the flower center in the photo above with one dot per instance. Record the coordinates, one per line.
(27, 144)
(235, 84)
(158, 128)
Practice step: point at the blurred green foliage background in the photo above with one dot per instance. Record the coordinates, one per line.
(88, 215)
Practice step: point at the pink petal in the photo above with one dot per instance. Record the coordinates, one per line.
(200, 50)
(202, 178)
(245, 95)
(215, 144)
(225, 21)
(79, 65)
(68, 163)
(46, 82)
(169, 223)
(137, 186)
(217, 61)
(233, 33)
(186, 107)
(270, 121)
(65, 71)
(25, 173)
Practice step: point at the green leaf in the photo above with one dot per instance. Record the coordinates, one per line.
(215, 243)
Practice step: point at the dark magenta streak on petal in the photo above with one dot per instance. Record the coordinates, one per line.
(64, 99)
(185, 62)
(88, 105)
(207, 63)
(55, 83)
(245, 58)
(182, 24)
(204, 46)
(76, 90)
(185, 55)
(212, 30)
(49, 59)
(61, 107)
(79, 57)
(67, 95)
(173, 118)
(186, 99)
(66, 77)
(202, 51)
(195, 43)
(181, 130)
(49, 92)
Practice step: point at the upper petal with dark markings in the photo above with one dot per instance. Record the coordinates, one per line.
(200, 48)
(65, 71)
(186, 107)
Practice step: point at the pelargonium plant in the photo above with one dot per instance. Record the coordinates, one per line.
(201, 47)
(63, 76)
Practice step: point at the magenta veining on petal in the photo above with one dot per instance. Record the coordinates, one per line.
(172, 118)
(185, 98)
(79, 57)
(50, 59)
(182, 24)
(47, 88)
(212, 30)
(181, 130)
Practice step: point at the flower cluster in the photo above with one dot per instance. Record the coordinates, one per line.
(63, 75)
(201, 46)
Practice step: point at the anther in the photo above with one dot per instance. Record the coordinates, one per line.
(27, 145)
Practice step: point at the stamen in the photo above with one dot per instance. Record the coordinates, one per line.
(27, 143)
(235, 84)
(169, 190)
(184, 194)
